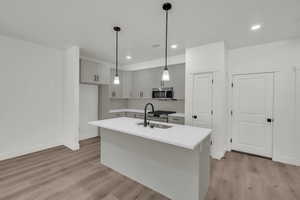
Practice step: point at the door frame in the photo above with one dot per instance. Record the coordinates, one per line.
(230, 107)
(296, 115)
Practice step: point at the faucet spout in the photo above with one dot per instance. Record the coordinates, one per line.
(145, 113)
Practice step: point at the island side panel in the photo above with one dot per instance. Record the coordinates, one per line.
(204, 168)
(172, 171)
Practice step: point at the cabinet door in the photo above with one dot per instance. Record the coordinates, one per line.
(116, 90)
(176, 120)
(88, 72)
(127, 84)
(137, 84)
(177, 81)
(144, 81)
(103, 74)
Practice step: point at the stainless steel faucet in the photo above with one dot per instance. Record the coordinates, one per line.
(145, 113)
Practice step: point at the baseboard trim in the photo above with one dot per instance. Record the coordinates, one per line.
(27, 150)
(286, 160)
(87, 136)
(217, 155)
(73, 146)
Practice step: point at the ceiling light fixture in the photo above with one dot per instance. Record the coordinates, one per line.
(155, 45)
(117, 78)
(128, 57)
(165, 75)
(256, 27)
(174, 46)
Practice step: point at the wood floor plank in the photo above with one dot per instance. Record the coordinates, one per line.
(61, 174)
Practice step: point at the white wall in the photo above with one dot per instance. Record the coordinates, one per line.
(280, 58)
(71, 98)
(172, 60)
(210, 58)
(31, 103)
(88, 111)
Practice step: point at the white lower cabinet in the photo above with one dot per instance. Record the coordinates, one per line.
(176, 120)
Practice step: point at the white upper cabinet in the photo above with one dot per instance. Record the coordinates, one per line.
(116, 91)
(139, 84)
(177, 81)
(127, 84)
(144, 81)
(94, 73)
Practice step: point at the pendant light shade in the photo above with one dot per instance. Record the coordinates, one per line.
(117, 78)
(166, 76)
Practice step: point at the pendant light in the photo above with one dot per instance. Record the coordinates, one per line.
(165, 75)
(117, 78)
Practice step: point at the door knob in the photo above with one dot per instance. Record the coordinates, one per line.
(270, 120)
(194, 116)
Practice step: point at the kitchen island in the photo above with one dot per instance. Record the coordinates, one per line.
(173, 159)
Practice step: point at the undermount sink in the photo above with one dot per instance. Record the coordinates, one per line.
(155, 125)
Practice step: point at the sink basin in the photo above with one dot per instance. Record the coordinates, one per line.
(155, 125)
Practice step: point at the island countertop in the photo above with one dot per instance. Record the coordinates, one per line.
(183, 136)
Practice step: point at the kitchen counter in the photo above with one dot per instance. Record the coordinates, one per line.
(179, 135)
(174, 162)
(177, 115)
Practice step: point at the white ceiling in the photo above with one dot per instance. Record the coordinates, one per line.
(88, 24)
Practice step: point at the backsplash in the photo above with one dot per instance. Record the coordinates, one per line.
(110, 104)
(177, 106)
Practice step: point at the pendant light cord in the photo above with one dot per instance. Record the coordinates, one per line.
(166, 44)
(117, 52)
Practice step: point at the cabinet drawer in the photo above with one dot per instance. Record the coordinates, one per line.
(176, 120)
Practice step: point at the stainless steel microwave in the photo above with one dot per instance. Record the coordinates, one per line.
(163, 93)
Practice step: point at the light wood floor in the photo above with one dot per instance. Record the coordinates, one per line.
(60, 174)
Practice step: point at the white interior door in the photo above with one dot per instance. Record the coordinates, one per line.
(252, 113)
(202, 100)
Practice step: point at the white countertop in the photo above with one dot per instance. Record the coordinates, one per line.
(126, 110)
(177, 115)
(179, 135)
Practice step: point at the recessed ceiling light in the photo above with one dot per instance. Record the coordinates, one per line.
(256, 27)
(128, 57)
(156, 45)
(174, 46)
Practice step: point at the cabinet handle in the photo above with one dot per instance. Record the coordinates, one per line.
(195, 116)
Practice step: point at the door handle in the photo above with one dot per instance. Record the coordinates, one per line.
(270, 120)
(195, 116)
